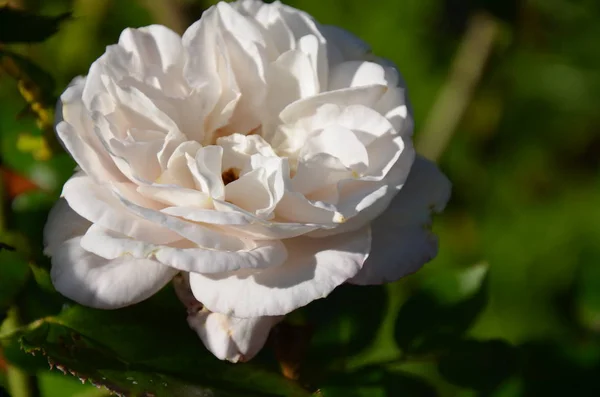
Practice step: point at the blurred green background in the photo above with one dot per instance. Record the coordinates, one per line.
(506, 95)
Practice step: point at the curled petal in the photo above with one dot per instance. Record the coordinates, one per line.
(357, 74)
(366, 95)
(313, 269)
(231, 338)
(98, 205)
(343, 45)
(402, 241)
(183, 255)
(76, 132)
(102, 283)
(242, 222)
(62, 224)
(290, 77)
(154, 46)
(228, 338)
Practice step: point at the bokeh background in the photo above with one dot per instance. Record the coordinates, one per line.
(506, 97)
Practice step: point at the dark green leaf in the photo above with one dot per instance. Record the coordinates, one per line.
(551, 369)
(14, 271)
(480, 365)
(37, 299)
(23, 68)
(18, 26)
(4, 246)
(434, 318)
(30, 211)
(55, 384)
(407, 385)
(147, 348)
(344, 324)
(375, 381)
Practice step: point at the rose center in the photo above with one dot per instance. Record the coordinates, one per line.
(230, 175)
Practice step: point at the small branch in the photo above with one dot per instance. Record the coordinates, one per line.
(457, 92)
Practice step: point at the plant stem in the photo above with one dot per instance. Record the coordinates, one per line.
(457, 92)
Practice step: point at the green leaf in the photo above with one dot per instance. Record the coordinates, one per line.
(146, 348)
(18, 26)
(442, 311)
(14, 271)
(22, 67)
(30, 211)
(54, 384)
(480, 365)
(561, 369)
(408, 385)
(375, 381)
(344, 324)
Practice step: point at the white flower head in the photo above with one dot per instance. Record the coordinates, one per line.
(267, 156)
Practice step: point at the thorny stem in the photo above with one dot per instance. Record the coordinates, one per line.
(457, 92)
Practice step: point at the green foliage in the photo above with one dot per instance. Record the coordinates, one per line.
(18, 26)
(141, 349)
(479, 365)
(451, 310)
(13, 273)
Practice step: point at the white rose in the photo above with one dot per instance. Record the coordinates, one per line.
(262, 153)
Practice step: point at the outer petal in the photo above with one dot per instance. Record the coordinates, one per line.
(155, 47)
(402, 241)
(343, 45)
(105, 284)
(63, 224)
(96, 204)
(186, 256)
(75, 130)
(230, 338)
(313, 269)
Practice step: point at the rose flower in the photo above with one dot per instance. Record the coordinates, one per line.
(263, 157)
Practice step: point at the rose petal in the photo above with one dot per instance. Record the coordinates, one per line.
(176, 195)
(97, 204)
(343, 45)
(289, 78)
(313, 269)
(184, 256)
(63, 224)
(402, 241)
(365, 95)
(105, 284)
(206, 170)
(230, 338)
(155, 47)
(76, 131)
(98, 166)
(357, 74)
(338, 142)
